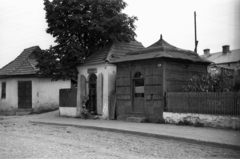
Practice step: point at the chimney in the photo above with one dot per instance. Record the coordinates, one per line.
(206, 52)
(225, 49)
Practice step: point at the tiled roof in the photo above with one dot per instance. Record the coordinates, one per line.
(112, 51)
(161, 49)
(219, 57)
(24, 64)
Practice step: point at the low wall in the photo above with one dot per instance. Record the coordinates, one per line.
(36, 110)
(68, 111)
(218, 121)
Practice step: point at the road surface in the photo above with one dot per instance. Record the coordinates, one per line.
(20, 139)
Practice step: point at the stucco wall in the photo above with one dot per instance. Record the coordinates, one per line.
(45, 93)
(218, 121)
(11, 93)
(109, 74)
(68, 111)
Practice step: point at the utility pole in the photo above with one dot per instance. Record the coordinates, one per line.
(195, 31)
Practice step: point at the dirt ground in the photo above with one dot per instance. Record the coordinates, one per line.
(20, 139)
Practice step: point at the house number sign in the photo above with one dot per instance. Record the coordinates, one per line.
(92, 70)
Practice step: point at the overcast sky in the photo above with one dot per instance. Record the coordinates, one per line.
(23, 24)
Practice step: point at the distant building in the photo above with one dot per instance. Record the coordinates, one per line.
(227, 58)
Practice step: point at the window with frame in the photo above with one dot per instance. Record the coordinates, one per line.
(3, 94)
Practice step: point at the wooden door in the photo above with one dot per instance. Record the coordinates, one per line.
(24, 94)
(138, 90)
(92, 92)
(138, 95)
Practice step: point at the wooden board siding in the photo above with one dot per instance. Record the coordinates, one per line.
(123, 72)
(154, 101)
(160, 76)
(123, 82)
(153, 90)
(123, 91)
(178, 74)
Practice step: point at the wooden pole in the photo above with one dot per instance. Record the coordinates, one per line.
(195, 32)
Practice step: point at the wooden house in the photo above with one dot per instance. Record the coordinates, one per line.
(97, 77)
(21, 88)
(143, 77)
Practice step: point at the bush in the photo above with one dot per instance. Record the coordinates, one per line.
(210, 83)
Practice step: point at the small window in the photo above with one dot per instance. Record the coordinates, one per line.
(138, 75)
(3, 96)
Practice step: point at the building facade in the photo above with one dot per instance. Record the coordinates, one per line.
(145, 75)
(22, 88)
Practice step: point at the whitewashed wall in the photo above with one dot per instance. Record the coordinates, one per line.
(45, 93)
(68, 111)
(109, 76)
(219, 121)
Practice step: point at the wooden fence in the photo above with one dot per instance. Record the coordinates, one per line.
(68, 97)
(221, 103)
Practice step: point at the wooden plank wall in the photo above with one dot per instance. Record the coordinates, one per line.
(123, 89)
(178, 74)
(153, 89)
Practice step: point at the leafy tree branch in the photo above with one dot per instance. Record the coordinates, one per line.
(80, 28)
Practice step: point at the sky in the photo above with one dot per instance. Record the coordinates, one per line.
(23, 24)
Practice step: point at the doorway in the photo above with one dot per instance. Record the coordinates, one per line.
(138, 93)
(24, 94)
(93, 94)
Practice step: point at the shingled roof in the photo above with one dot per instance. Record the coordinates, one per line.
(161, 49)
(24, 64)
(110, 52)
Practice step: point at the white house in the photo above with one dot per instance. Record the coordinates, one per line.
(97, 77)
(22, 88)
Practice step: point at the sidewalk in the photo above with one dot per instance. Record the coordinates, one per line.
(203, 135)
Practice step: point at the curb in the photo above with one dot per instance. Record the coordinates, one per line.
(159, 136)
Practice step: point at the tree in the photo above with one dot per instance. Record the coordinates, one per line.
(81, 27)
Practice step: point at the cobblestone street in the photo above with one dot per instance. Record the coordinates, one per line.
(21, 139)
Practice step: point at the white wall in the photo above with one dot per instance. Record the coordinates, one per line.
(11, 94)
(219, 121)
(45, 93)
(68, 111)
(109, 76)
